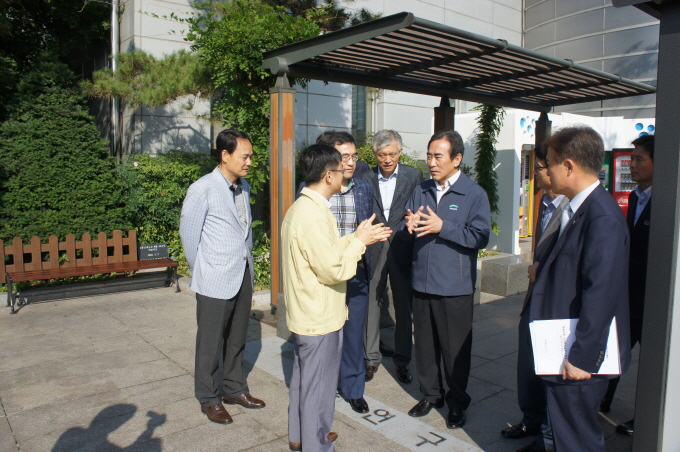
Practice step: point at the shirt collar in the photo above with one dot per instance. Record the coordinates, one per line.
(326, 201)
(393, 175)
(233, 186)
(350, 186)
(577, 200)
(647, 193)
(452, 180)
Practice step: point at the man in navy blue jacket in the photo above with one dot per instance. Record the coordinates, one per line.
(584, 277)
(449, 219)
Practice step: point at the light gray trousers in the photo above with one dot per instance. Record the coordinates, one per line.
(312, 390)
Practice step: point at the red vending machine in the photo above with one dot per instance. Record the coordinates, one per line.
(622, 184)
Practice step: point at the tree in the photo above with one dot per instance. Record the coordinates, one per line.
(56, 176)
(229, 39)
(74, 31)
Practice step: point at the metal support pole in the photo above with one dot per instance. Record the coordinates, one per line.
(657, 408)
(115, 107)
(444, 115)
(282, 170)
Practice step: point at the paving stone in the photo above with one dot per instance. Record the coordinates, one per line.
(64, 352)
(496, 346)
(498, 374)
(115, 371)
(56, 370)
(245, 433)
(7, 441)
(27, 397)
(58, 417)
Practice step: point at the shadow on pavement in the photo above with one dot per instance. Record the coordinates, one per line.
(110, 419)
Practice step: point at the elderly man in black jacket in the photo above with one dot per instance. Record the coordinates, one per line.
(449, 219)
(392, 185)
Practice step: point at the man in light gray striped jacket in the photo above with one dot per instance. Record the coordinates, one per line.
(216, 234)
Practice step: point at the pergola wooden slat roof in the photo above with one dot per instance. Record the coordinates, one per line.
(405, 53)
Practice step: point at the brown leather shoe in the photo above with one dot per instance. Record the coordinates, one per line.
(246, 401)
(332, 436)
(217, 413)
(370, 372)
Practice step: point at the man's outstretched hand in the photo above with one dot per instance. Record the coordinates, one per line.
(370, 233)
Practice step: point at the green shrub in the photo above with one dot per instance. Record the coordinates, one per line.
(56, 176)
(261, 256)
(155, 188)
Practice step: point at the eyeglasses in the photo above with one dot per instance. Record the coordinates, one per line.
(338, 170)
(539, 167)
(346, 158)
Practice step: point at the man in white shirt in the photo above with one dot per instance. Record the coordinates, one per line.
(392, 185)
(584, 277)
(530, 390)
(639, 210)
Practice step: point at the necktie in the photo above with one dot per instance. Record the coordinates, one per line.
(566, 216)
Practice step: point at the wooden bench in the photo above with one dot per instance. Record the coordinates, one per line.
(114, 255)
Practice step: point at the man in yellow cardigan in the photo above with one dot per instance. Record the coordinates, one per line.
(316, 265)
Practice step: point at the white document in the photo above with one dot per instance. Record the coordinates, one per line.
(552, 340)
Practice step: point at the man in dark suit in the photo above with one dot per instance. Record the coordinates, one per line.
(584, 277)
(392, 185)
(530, 390)
(639, 208)
(449, 220)
(350, 207)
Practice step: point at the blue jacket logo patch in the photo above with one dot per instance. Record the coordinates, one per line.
(453, 207)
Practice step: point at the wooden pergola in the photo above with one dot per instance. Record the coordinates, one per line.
(405, 53)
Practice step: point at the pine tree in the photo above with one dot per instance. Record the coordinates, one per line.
(56, 176)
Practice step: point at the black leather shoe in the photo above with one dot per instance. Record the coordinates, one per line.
(605, 406)
(626, 428)
(423, 408)
(518, 431)
(455, 419)
(385, 350)
(404, 374)
(370, 372)
(359, 405)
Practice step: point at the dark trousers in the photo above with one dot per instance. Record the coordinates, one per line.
(399, 274)
(443, 334)
(635, 337)
(530, 387)
(352, 368)
(572, 415)
(220, 344)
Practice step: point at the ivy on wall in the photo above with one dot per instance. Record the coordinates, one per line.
(489, 123)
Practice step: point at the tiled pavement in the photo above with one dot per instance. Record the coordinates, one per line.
(114, 372)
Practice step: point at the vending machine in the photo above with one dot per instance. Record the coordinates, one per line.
(622, 183)
(526, 198)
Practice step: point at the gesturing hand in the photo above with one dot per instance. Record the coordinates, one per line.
(412, 219)
(429, 222)
(370, 233)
